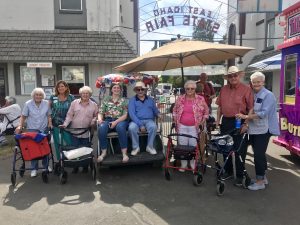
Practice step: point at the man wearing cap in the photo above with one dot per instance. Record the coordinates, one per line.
(234, 98)
(142, 111)
(208, 90)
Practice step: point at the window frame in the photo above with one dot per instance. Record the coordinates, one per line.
(70, 10)
(270, 42)
(22, 67)
(288, 98)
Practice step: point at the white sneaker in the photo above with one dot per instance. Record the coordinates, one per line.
(256, 186)
(135, 151)
(33, 173)
(152, 151)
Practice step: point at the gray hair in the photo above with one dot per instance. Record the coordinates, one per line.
(38, 91)
(86, 88)
(258, 75)
(192, 82)
(11, 100)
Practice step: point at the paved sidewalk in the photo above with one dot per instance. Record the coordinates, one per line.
(141, 195)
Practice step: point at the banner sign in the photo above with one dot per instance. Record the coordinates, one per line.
(39, 65)
(183, 15)
(290, 125)
(294, 26)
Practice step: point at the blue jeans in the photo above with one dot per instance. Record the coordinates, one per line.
(103, 129)
(35, 163)
(134, 129)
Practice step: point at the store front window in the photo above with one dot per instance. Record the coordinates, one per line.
(75, 77)
(28, 79)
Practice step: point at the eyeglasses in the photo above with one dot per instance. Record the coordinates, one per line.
(140, 89)
(190, 89)
(232, 75)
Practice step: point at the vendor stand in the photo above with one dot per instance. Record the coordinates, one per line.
(289, 112)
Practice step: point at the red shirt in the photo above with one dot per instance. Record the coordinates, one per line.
(208, 91)
(233, 100)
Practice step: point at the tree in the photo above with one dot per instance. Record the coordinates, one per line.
(203, 33)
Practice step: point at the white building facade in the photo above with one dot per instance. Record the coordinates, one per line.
(262, 32)
(43, 41)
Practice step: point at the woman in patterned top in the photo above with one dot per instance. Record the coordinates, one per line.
(112, 116)
(60, 103)
(189, 113)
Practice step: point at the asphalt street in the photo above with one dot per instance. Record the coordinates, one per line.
(141, 195)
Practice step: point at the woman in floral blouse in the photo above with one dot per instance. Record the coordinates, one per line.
(190, 111)
(112, 116)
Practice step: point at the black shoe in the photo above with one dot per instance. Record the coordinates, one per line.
(226, 176)
(75, 170)
(85, 170)
(238, 182)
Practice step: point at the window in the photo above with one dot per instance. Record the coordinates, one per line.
(270, 33)
(71, 5)
(290, 79)
(28, 79)
(74, 76)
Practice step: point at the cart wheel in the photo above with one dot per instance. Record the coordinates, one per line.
(57, 169)
(220, 188)
(63, 177)
(22, 170)
(45, 176)
(167, 174)
(13, 178)
(197, 179)
(246, 181)
(94, 171)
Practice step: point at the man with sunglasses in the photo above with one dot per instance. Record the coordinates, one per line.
(142, 111)
(234, 98)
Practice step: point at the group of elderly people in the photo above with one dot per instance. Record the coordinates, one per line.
(254, 105)
(63, 110)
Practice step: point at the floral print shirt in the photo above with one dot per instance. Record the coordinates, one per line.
(200, 110)
(112, 109)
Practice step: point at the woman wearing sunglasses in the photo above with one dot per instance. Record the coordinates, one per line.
(190, 112)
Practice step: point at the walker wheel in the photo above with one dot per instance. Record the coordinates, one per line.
(57, 169)
(220, 188)
(13, 178)
(197, 179)
(246, 181)
(167, 174)
(63, 177)
(22, 170)
(45, 176)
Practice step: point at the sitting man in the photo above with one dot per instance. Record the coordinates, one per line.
(12, 113)
(142, 111)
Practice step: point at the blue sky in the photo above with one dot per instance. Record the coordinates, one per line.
(218, 10)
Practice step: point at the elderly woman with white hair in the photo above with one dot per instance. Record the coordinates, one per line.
(263, 123)
(82, 113)
(36, 113)
(189, 113)
(11, 112)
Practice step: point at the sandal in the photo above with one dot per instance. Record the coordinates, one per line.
(125, 159)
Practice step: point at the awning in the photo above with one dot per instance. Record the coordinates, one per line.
(271, 63)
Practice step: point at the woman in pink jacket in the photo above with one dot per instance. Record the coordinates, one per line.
(189, 113)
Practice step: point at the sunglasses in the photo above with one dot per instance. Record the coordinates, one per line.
(190, 89)
(232, 75)
(140, 89)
